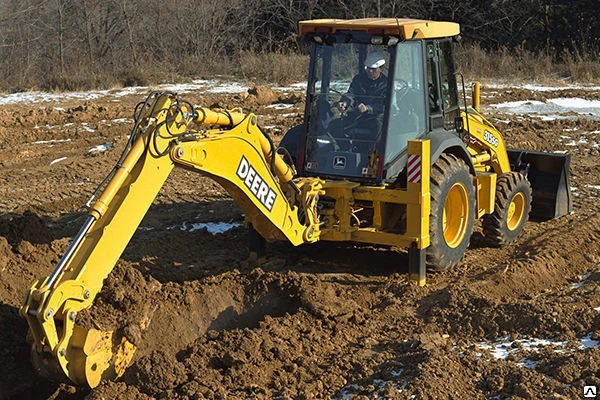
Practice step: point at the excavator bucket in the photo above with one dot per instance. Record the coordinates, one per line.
(548, 174)
(93, 356)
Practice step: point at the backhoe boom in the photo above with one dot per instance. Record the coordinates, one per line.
(161, 139)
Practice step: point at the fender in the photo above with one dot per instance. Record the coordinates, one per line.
(448, 142)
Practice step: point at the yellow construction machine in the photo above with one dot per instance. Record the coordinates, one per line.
(408, 166)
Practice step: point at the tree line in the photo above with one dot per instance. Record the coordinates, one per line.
(60, 43)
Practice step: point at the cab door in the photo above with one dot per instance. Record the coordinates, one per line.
(443, 90)
(408, 114)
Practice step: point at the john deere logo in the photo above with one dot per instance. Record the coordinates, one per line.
(339, 162)
(257, 185)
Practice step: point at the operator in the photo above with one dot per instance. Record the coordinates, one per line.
(367, 90)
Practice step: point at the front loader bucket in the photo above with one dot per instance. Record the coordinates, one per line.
(548, 174)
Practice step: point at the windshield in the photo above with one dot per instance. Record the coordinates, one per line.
(346, 110)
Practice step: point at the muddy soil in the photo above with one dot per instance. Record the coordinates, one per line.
(320, 321)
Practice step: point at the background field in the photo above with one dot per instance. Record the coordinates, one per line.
(320, 321)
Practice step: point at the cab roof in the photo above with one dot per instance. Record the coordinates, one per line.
(404, 28)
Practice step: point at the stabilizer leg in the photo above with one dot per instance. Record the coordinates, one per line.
(256, 244)
(416, 265)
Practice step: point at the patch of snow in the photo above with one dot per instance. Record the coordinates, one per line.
(211, 86)
(588, 342)
(280, 106)
(101, 147)
(88, 129)
(349, 390)
(294, 87)
(234, 87)
(553, 108)
(576, 103)
(502, 348)
(212, 227)
(51, 141)
(526, 363)
(58, 160)
(550, 117)
(542, 88)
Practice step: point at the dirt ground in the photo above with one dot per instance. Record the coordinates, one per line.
(325, 321)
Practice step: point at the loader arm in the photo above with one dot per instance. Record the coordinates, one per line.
(486, 144)
(240, 157)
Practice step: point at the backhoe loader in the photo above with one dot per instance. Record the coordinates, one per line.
(408, 167)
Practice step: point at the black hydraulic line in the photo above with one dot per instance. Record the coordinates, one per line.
(468, 135)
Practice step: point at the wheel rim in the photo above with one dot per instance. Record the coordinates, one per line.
(516, 210)
(456, 214)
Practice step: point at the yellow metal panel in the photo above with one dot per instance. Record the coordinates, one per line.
(484, 137)
(371, 235)
(417, 218)
(485, 183)
(244, 172)
(86, 356)
(387, 195)
(416, 197)
(406, 28)
(119, 211)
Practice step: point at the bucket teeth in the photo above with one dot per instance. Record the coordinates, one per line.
(91, 357)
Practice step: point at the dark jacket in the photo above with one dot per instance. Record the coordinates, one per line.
(367, 91)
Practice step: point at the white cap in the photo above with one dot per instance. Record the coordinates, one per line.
(374, 60)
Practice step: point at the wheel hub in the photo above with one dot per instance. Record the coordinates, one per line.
(515, 211)
(455, 217)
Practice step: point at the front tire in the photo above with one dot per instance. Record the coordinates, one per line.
(452, 212)
(511, 209)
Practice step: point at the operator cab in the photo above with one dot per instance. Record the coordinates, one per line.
(419, 94)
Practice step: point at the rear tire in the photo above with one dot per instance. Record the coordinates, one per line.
(452, 212)
(511, 209)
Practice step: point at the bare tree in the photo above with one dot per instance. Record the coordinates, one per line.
(43, 39)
